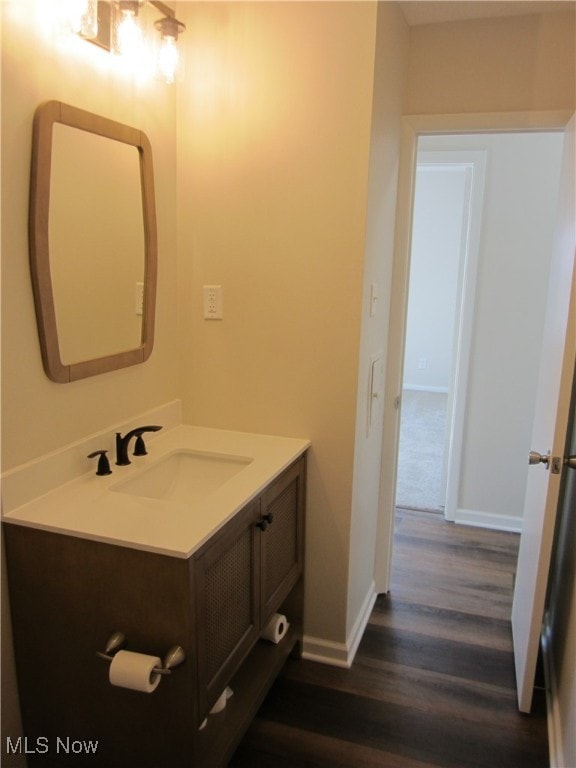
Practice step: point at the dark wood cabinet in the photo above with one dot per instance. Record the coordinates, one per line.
(228, 604)
(68, 594)
(242, 576)
(282, 541)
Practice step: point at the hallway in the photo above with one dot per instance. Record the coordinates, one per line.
(433, 680)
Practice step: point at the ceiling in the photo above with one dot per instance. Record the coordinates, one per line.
(435, 11)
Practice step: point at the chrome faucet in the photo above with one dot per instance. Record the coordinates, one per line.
(122, 444)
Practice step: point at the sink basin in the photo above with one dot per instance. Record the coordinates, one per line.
(183, 476)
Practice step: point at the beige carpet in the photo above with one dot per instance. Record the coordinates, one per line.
(421, 452)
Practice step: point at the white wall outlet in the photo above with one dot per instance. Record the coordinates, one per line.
(212, 302)
(422, 363)
(139, 298)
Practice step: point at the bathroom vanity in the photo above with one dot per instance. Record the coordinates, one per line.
(209, 585)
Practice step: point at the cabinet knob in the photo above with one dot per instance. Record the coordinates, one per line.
(267, 520)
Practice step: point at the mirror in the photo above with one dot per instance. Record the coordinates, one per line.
(93, 249)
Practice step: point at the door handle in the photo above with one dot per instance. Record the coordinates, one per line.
(538, 458)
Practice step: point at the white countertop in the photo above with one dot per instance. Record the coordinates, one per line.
(87, 507)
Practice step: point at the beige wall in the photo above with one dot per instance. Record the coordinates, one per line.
(272, 191)
(273, 169)
(38, 415)
(388, 105)
(493, 65)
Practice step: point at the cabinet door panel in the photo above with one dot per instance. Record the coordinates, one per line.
(282, 541)
(227, 604)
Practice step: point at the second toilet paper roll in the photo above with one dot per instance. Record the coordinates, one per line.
(135, 671)
(276, 628)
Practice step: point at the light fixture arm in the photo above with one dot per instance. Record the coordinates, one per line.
(163, 8)
(132, 6)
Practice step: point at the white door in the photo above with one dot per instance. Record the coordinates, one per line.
(549, 434)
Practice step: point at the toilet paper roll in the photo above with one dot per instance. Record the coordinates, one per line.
(135, 671)
(276, 628)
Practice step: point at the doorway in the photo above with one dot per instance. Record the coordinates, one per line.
(487, 394)
(448, 197)
(489, 373)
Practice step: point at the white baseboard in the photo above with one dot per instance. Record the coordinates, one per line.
(341, 654)
(555, 747)
(325, 651)
(491, 520)
(425, 388)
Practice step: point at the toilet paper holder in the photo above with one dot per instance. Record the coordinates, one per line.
(117, 640)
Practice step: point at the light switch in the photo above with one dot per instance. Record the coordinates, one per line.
(376, 390)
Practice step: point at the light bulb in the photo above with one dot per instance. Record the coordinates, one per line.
(169, 55)
(168, 59)
(129, 34)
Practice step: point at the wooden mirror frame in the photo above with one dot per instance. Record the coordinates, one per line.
(46, 115)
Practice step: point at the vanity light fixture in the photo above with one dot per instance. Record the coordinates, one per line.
(118, 26)
(81, 16)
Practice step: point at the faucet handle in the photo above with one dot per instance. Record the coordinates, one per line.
(139, 446)
(103, 463)
(123, 442)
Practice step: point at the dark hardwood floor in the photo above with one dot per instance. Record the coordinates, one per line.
(433, 680)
